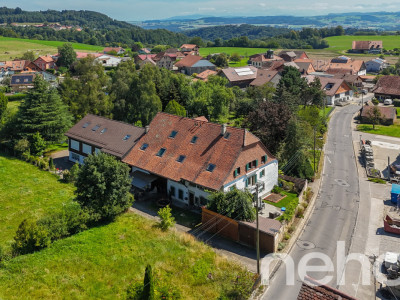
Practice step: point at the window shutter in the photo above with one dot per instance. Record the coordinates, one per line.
(235, 173)
(266, 157)
(255, 178)
(256, 163)
(247, 182)
(247, 167)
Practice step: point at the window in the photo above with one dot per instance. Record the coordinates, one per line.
(262, 173)
(248, 166)
(210, 167)
(180, 194)
(161, 152)
(103, 130)
(255, 163)
(203, 201)
(264, 159)
(194, 139)
(126, 137)
(232, 187)
(87, 149)
(172, 191)
(227, 135)
(337, 96)
(96, 127)
(173, 134)
(250, 181)
(75, 145)
(74, 156)
(17, 80)
(85, 125)
(236, 172)
(144, 146)
(26, 80)
(97, 150)
(181, 158)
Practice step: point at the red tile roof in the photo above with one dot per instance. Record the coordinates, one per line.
(46, 58)
(19, 65)
(350, 66)
(210, 148)
(389, 85)
(111, 140)
(109, 49)
(146, 56)
(188, 61)
(312, 290)
(205, 74)
(189, 46)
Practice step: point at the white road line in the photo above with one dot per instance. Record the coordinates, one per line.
(327, 157)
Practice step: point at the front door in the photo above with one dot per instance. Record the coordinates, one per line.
(191, 198)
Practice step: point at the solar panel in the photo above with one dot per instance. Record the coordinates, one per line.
(243, 70)
(246, 73)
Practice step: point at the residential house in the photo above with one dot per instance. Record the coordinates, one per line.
(368, 82)
(80, 55)
(190, 49)
(388, 114)
(45, 62)
(118, 50)
(21, 82)
(376, 65)
(108, 60)
(354, 81)
(144, 51)
(387, 87)
(336, 90)
(94, 134)
(8, 68)
(366, 47)
(314, 290)
(346, 65)
(194, 64)
(144, 59)
(203, 76)
(191, 157)
(165, 60)
(292, 55)
(241, 77)
(305, 66)
(320, 65)
(265, 76)
(263, 60)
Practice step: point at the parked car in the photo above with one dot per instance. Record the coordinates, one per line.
(387, 102)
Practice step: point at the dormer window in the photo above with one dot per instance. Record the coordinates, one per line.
(194, 140)
(173, 134)
(181, 158)
(126, 137)
(103, 130)
(264, 159)
(96, 127)
(227, 135)
(144, 146)
(210, 167)
(85, 125)
(161, 152)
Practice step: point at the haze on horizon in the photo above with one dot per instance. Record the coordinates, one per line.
(134, 10)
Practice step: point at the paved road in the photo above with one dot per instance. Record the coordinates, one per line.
(336, 207)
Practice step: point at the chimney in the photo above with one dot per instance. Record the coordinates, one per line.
(146, 129)
(223, 129)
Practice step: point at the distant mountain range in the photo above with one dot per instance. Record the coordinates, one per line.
(389, 21)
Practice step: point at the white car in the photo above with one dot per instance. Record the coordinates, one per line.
(387, 101)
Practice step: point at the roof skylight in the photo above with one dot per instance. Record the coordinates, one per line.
(210, 167)
(161, 152)
(194, 139)
(96, 127)
(85, 125)
(173, 134)
(126, 137)
(181, 158)
(144, 146)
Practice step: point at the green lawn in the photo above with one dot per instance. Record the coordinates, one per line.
(229, 50)
(285, 201)
(243, 62)
(392, 130)
(15, 47)
(101, 262)
(25, 192)
(55, 148)
(344, 42)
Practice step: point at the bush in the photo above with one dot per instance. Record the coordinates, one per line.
(286, 236)
(17, 97)
(21, 146)
(281, 246)
(51, 164)
(38, 145)
(375, 101)
(300, 212)
(277, 190)
(304, 204)
(30, 237)
(291, 228)
(242, 287)
(167, 220)
(135, 291)
(396, 102)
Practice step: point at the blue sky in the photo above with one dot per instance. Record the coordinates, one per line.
(134, 10)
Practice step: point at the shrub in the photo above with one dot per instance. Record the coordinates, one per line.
(286, 236)
(43, 164)
(16, 97)
(167, 220)
(134, 291)
(21, 146)
(277, 190)
(291, 228)
(304, 204)
(300, 212)
(375, 101)
(281, 246)
(51, 164)
(30, 238)
(242, 287)
(396, 102)
(38, 145)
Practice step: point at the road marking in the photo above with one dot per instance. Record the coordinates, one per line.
(386, 145)
(327, 157)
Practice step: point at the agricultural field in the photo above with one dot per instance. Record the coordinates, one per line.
(343, 43)
(14, 47)
(100, 262)
(27, 192)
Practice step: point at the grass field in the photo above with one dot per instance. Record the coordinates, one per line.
(25, 192)
(13, 47)
(101, 262)
(230, 50)
(344, 42)
(391, 130)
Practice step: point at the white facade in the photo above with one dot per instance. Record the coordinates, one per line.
(187, 194)
(108, 60)
(342, 97)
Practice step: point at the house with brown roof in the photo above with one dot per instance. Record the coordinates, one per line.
(265, 76)
(292, 55)
(388, 114)
(263, 60)
(190, 49)
(194, 64)
(367, 47)
(314, 290)
(320, 65)
(45, 62)
(354, 81)
(165, 60)
(336, 90)
(203, 76)
(21, 82)
(94, 134)
(241, 77)
(190, 157)
(387, 87)
(346, 65)
(118, 50)
(17, 66)
(305, 66)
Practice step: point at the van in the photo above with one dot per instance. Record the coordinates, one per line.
(387, 102)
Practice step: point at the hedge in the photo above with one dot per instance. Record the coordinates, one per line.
(16, 97)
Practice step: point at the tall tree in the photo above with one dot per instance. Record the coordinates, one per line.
(3, 104)
(28, 55)
(175, 108)
(148, 284)
(67, 55)
(313, 94)
(291, 83)
(102, 187)
(43, 112)
(374, 115)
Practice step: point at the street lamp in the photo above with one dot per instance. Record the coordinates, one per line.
(258, 188)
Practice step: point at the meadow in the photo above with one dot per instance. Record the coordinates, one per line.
(15, 47)
(344, 42)
(101, 262)
(230, 50)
